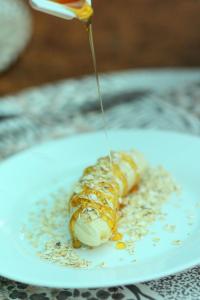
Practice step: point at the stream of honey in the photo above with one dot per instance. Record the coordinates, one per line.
(91, 41)
(84, 12)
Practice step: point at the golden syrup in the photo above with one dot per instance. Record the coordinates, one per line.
(120, 245)
(134, 189)
(91, 41)
(130, 161)
(117, 236)
(84, 12)
(106, 213)
(76, 243)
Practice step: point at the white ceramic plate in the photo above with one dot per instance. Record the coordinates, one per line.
(27, 177)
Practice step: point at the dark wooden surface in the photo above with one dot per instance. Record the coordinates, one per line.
(128, 34)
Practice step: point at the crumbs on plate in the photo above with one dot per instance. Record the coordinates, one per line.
(47, 225)
(145, 206)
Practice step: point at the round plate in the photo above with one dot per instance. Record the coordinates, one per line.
(35, 173)
(15, 30)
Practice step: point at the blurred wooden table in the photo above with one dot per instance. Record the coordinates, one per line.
(142, 33)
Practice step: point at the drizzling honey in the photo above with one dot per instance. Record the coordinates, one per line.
(121, 245)
(91, 41)
(117, 236)
(84, 12)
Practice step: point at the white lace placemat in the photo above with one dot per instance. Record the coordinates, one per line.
(15, 30)
(166, 100)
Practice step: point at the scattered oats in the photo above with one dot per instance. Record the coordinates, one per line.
(47, 228)
(47, 231)
(63, 255)
(176, 242)
(145, 206)
(170, 228)
(130, 247)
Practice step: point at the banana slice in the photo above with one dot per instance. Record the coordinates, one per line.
(94, 205)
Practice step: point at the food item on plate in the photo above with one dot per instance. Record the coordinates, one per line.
(94, 205)
(46, 229)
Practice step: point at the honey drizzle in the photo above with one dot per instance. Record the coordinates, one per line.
(121, 245)
(84, 13)
(107, 213)
(91, 42)
(117, 236)
(108, 190)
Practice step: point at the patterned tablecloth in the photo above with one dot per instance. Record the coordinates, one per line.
(145, 99)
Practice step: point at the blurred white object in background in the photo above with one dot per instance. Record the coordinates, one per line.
(54, 8)
(15, 30)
